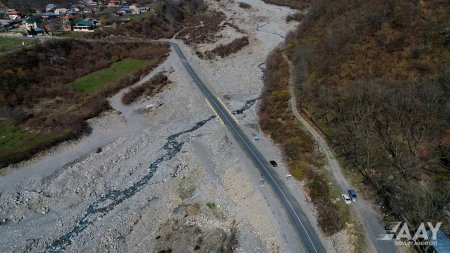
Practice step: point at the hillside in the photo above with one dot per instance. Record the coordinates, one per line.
(374, 76)
(39, 104)
(24, 5)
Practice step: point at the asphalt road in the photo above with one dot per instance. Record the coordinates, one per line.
(305, 232)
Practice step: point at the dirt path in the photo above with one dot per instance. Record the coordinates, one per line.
(125, 121)
(362, 209)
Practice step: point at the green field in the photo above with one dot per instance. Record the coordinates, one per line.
(107, 77)
(7, 44)
(15, 142)
(140, 17)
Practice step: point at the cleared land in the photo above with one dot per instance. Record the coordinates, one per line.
(15, 140)
(7, 44)
(38, 109)
(107, 77)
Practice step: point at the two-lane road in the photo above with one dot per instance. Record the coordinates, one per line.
(300, 223)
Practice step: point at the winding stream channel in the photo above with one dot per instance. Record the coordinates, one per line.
(113, 198)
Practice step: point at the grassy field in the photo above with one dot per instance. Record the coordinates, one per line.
(51, 108)
(15, 141)
(7, 44)
(104, 78)
(141, 16)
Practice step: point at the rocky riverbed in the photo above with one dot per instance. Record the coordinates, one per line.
(162, 174)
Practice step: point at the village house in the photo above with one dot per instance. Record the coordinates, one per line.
(71, 12)
(60, 11)
(91, 3)
(33, 23)
(34, 26)
(68, 25)
(13, 14)
(124, 11)
(113, 3)
(49, 15)
(84, 26)
(134, 7)
(50, 8)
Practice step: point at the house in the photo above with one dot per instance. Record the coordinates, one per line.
(68, 25)
(60, 11)
(35, 31)
(88, 10)
(84, 26)
(50, 8)
(124, 11)
(33, 23)
(91, 3)
(134, 7)
(49, 15)
(113, 3)
(13, 14)
(71, 12)
(34, 26)
(143, 9)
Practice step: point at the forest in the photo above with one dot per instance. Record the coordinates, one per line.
(374, 75)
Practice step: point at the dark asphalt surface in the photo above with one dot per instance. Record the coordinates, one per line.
(305, 232)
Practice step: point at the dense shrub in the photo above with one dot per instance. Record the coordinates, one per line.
(230, 48)
(295, 17)
(204, 31)
(277, 120)
(245, 5)
(149, 88)
(294, 4)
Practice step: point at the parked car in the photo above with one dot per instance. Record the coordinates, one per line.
(347, 200)
(352, 194)
(273, 163)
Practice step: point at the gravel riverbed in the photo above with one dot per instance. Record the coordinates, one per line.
(169, 175)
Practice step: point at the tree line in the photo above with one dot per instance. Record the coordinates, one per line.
(374, 75)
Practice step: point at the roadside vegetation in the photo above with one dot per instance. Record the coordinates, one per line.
(38, 104)
(153, 86)
(374, 76)
(301, 154)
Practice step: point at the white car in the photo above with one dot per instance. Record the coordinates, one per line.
(346, 199)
